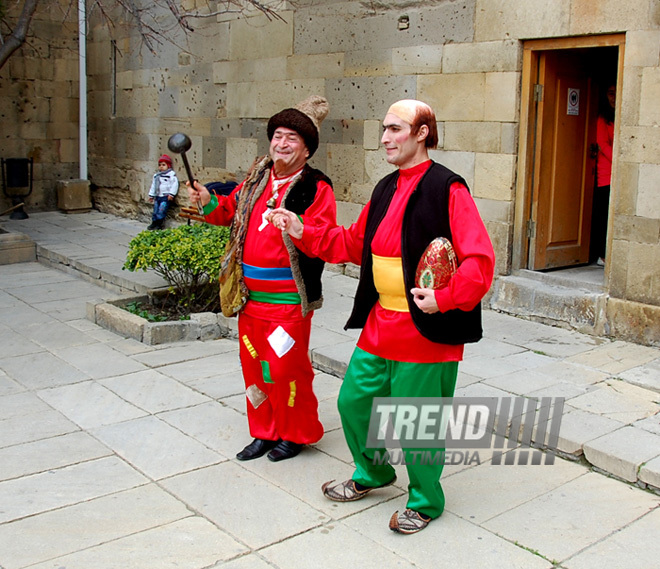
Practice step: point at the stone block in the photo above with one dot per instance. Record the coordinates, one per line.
(66, 70)
(484, 56)
(124, 80)
(68, 150)
(16, 248)
(225, 71)
(495, 210)
(439, 91)
(258, 37)
(323, 30)
(626, 181)
(241, 100)
(501, 93)
(156, 333)
(361, 193)
(417, 60)
(119, 321)
(368, 63)
(493, 176)
(322, 65)
(74, 196)
(649, 113)
(636, 229)
(639, 143)
(634, 321)
(642, 48)
(267, 69)
(649, 473)
(501, 19)
(214, 152)
(207, 323)
(623, 451)
(641, 270)
(472, 136)
(365, 98)
(509, 138)
(610, 16)
(241, 152)
(376, 166)
(228, 326)
(345, 165)
(463, 163)
(347, 213)
(648, 197)
(579, 427)
(273, 96)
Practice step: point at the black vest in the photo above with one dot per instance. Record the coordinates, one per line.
(306, 270)
(426, 217)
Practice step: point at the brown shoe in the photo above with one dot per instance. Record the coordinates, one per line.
(409, 521)
(347, 491)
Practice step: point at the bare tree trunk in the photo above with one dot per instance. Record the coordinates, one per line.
(16, 39)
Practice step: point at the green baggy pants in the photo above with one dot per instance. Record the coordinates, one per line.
(371, 376)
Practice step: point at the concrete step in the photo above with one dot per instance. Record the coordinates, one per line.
(557, 298)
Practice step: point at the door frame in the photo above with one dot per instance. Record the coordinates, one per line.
(526, 148)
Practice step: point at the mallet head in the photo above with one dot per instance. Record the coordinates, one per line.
(179, 143)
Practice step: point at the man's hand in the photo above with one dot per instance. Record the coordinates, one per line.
(170, 197)
(286, 221)
(425, 299)
(198, 194)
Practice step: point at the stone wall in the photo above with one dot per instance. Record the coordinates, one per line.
(221, 83)
(39, 103)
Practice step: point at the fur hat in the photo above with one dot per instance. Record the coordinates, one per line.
(305, 119)
(165, 158)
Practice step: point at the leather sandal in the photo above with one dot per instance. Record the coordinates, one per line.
(409, 521)
(348, 491)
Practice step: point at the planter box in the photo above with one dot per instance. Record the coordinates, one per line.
(16, 248)
(201, 326)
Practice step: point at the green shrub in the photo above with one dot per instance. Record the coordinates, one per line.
(188, 257)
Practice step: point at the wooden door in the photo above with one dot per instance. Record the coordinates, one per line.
(564, 162)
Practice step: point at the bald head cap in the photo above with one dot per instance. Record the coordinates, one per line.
(406, 109)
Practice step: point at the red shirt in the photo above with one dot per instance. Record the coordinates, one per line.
(605, 139)
(390, 334)
(264, 248)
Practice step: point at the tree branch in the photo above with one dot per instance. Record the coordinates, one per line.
(17, 37)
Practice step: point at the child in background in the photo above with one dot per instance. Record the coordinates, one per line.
(164, 187)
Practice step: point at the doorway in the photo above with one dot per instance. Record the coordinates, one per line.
(564, 86)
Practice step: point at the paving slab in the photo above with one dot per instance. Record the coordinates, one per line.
(227, 494)
(152, 391)
(155, 448)
(479, 494)
(334, 545)
(55, 534)
(102, 406)
(631, 548)
(623, 451)
(195, 542)
(48, 454)
(449, 537)
(564, 521)
(30, 495)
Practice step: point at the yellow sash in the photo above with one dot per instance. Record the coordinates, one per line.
(388, 278)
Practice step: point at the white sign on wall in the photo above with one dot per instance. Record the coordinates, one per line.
(573, 101)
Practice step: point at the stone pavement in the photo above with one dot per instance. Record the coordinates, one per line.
(114, 453)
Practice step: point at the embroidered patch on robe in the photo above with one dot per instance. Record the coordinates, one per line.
(255, 395)
(280, 341)
(265, 372)
(292, 393)
(250, 347)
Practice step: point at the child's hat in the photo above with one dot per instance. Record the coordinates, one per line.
(165, 158)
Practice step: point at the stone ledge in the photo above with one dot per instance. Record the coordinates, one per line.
(16, 248)
(202, 326)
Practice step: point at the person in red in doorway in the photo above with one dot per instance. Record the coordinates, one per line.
(412, 338)
(601, 201)
(272, 285)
